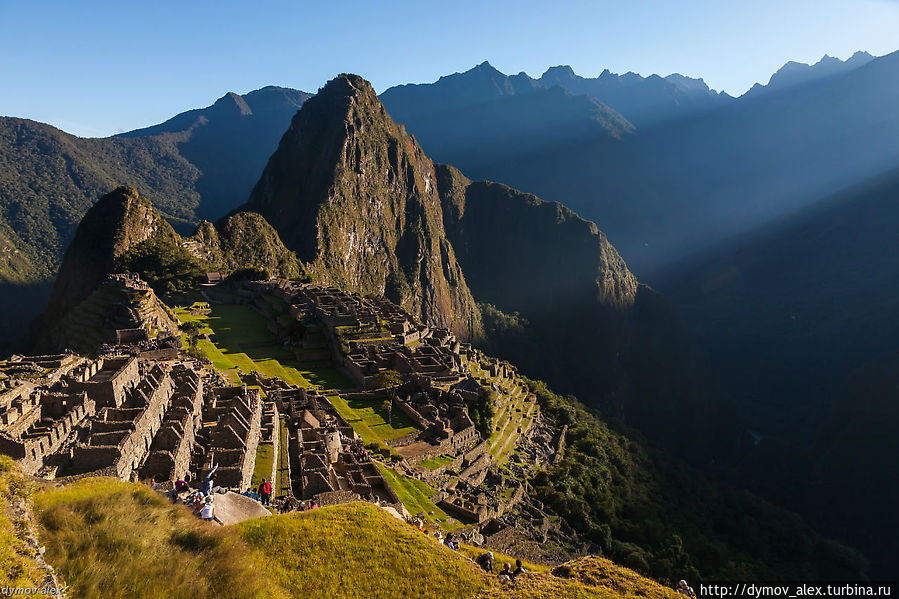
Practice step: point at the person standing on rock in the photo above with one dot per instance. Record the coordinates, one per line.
(206, 486)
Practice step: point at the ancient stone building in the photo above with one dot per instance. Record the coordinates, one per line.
(120, 436)
(234, 440)
(170, 453)
(107, 381)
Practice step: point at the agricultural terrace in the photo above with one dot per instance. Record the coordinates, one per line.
(514, 411)
(415, 495)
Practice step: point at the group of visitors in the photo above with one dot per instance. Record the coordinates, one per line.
(357, 448)
(485, 561)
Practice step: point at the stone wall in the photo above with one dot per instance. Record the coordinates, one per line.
(236, 435)
(170, 453)
(110, 384)
(121, 437)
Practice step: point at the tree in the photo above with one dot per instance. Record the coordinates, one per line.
(192, 329)
(390, 380)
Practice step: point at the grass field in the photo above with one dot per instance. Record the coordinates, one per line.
(243, 340)
(415, 495)
(108, 538)
(376, 554)
(265, 454)
(434, 463)
(17, 568)
(369, 419)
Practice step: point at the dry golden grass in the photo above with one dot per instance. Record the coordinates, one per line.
(17, 566)
(113, 539)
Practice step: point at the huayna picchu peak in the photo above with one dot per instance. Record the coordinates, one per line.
(356, 198)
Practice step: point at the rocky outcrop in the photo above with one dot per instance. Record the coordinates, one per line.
(354, 195)
(123, 233)
(244, 240)
(119, 221)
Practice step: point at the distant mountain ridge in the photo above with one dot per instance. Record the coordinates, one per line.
(639, 100)
(679, 185)
(199, 164)
(798, 73)
(643, 101)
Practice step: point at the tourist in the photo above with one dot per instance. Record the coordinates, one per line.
(485, 560)
(182, 484)
(206, 487)
(506, 574)
(265, 492)
(684, 589)
(207, 512)
(518, 569)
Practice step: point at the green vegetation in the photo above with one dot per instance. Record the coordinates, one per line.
(481, 411)
(369, 418)
(585, 578)
(434, 463)
(113, 539)
(163, 263)
(17, 566)
(281, 483)
(242, 341)
(664, 519)
(247, 246)
(265, 455)
(415, 495)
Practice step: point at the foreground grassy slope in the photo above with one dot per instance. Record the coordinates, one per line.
(358, 550)
(113, 539)
(108, 538)
(17, 568)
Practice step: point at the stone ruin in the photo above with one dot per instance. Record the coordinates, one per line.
(232, 444)
(170, 453)
(120, 435)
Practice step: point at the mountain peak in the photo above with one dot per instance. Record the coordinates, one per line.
(559, 72)
(354, 195)
(795, 73)
(232, 103)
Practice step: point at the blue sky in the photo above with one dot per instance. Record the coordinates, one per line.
(96, 68)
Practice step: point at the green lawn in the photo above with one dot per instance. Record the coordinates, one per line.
(282, 482)
(369, 419)
(414, 494)
(265, 453)
(242, 340)
(434, 463)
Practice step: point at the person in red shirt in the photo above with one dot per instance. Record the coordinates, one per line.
(265, 492)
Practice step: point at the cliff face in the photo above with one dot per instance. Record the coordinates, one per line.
(570, 312)
(354, 195)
